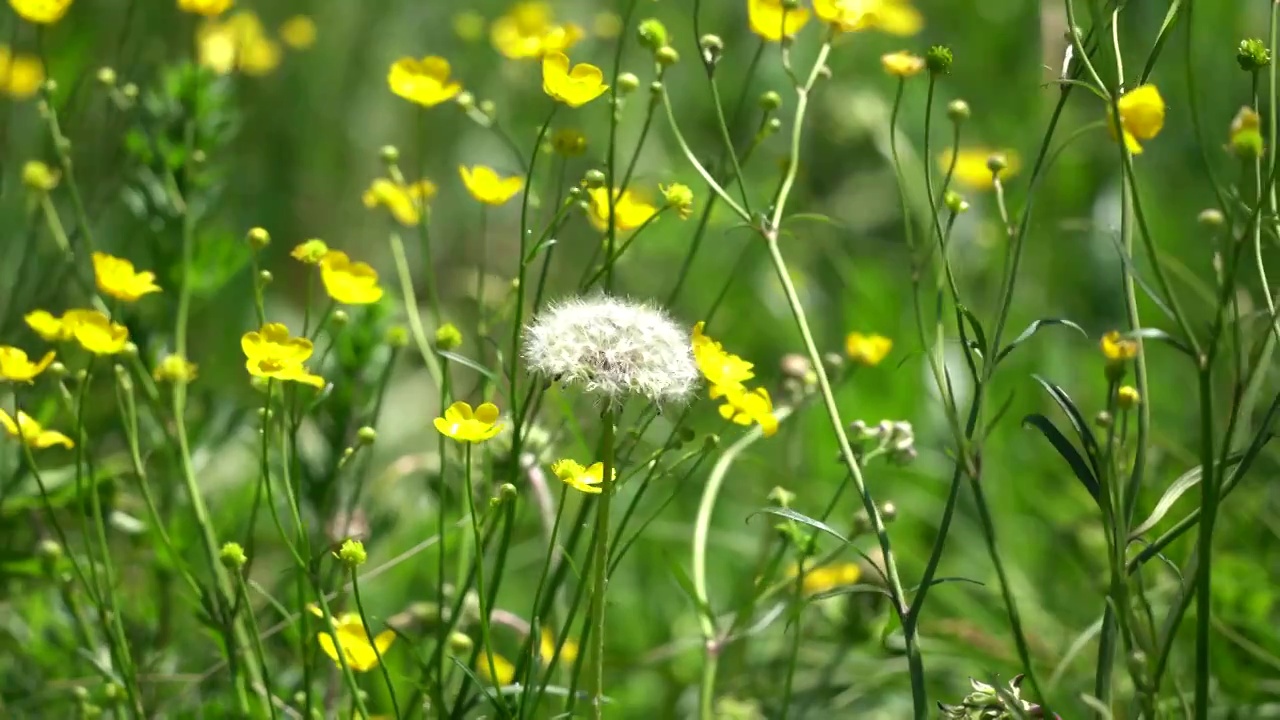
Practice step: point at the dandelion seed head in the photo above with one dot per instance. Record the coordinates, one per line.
(614, 348)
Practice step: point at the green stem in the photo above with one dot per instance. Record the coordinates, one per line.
(601, 558)
(485, 641)
(364, 620)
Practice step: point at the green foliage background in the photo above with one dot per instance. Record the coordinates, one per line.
(295, 149)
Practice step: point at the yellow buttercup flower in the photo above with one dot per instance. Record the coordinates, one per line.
(583, 479)
(16, 366)
(271, 352)
(720, 368)
(298, 32)
(547, 648)
(1117, 349)
(680, 197)
(506, 672)
(116, 277)
(896, 17)
(405, 203)
(96, 332)
(772, 21)
(972, 170)
(487, 186)
(743, 407)
(41, 12)
(902, 64)
(20, 75)
(629, 210)
(464, 425)
(829, 577)
(351, 283)
(574, 86)
(237, 43)
(425, 82)
(846, 15)
(47, 326)
(208, 8)
(310, 252)
(528, 31)
(175, 369)
(868, 350)
(350, 637)
(1141, 116)
(30, 432)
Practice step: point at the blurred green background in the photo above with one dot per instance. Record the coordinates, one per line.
(299, 144)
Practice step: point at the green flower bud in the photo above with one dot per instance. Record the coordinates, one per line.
(258, 238)
(958, 111)
(594, 179)
(627, 83)
(339, 319)
(367, 435)
(107, 76)
(397, 336)
(448, 337)
(712, 48)
(955, 202)
(390, 154)
(653, 34)
(667, 56)
(938, 60)
(1253, 55)
(1211, 217)
(352, 553)
(232, 556)
(770, 101)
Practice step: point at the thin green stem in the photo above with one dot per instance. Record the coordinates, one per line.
(485, 640)
(364, 620)
(601, 559)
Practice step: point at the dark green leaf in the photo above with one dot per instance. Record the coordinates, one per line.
(1078, 422)
(1067, 451)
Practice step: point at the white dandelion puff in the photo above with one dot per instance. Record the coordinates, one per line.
(614, 348)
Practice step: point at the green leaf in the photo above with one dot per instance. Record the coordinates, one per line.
(858, 589)
(1161, 336)
(1066, 451)
(1032, 329)
(980, 337)
(686, 584)
(1087, 440)
(801, 518)
(468, 362)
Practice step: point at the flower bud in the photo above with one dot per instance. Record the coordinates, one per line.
(774, 125)
(770, 101)
(232, 556)
(938, 59)
(460, 643)
(593, 179)
(712, 49)
(390, 154)
(781, 496)
(1246, 134)
(1211, 217)
(397, 336)
(130, 91)
(667, 56)
(955, 202)
(488, 108)
(107, 76)
(508, 492)
(997, 163)
(366, 435)
(628, 83)
(569, 142)
(958, 111)
(465, 101)
(1253, 55)
(339, 319)
(265, 277)
(653, 34)
(1102, 419)
(258, 238)
(1127, 397)
(352, 553)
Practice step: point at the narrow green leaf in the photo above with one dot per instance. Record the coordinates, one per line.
(1078, 423)
(1066, 451)
(468, 362)
(801, 518)
(1032, 329)
(686, 584)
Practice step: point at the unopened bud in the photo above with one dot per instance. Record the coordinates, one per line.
(258, 238)
(958, 111)
(593, 178)
(232, 556)
(390, 154)
(366, 435)
(107, 76)
(712, 48)
(667, 56)
(628, 83)
(770, 101)
(653, 34)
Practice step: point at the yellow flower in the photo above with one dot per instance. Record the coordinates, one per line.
(351, 283)
(351, 637)
(463, 425)
(487, 186)
(30, 433)
(298, 32)
(48, 327)
(20, 75)
(424, 81)
(527, 31)
(629, 211)
(896, 17)
(680, 197)
(95, 332)
(505, 670)
(547, 649)
(208, 8)
(574, 86)
(867, 350)
(902, 64)
(1127, 397)
(238, 43)
(43, 12)
(310, 252)
(117, 278)
(271, 352)
(720, 368)
(771, 21)
(405, 203)
(583, 479)
(829, 577)
(846, 15)
(15, 366)
(1141, 116)
(972, 170)
(39, 177)
(743, 407)
(175, 369)
(1117, 349)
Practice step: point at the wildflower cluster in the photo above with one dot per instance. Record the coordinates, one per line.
(727, 374)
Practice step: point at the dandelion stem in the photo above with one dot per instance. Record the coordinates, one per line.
(601, 558)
